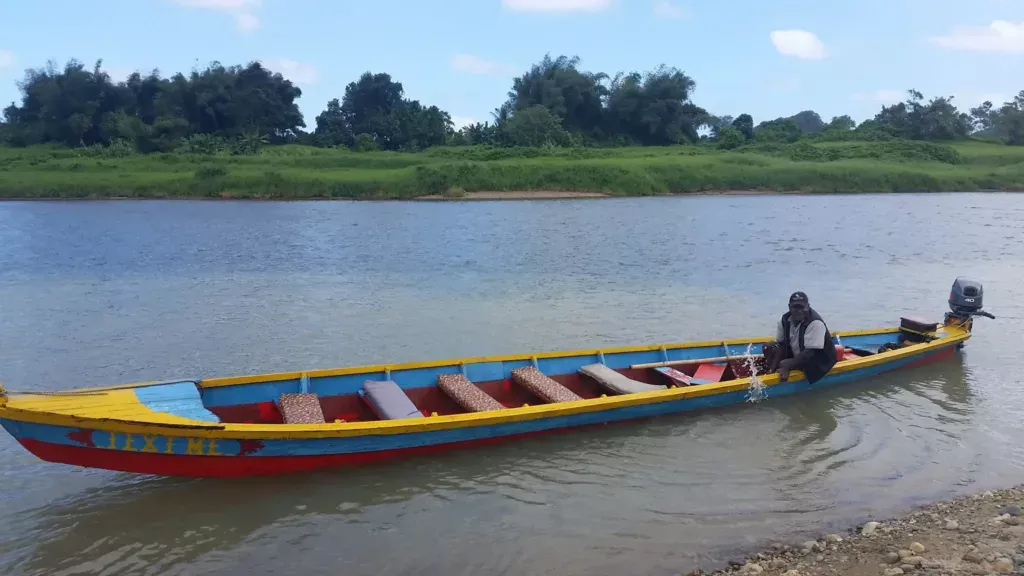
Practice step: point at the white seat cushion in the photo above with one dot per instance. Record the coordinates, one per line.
(616, 382)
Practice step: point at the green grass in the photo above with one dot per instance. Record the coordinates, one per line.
(304, 172)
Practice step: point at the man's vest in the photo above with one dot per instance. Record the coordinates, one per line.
(823, 360)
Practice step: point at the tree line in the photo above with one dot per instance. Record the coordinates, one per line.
(554, 103)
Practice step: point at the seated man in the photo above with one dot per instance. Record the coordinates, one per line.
(803, 342)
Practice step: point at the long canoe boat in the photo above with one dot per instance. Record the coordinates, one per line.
(298, 421)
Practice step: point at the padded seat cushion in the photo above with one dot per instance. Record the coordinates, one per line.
(535, 381)
(389, 401)
(917, 324)
(616, 382)
(467, 394)
(300, 409)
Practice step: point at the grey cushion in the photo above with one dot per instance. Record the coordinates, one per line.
(616, 382)
(388, 400)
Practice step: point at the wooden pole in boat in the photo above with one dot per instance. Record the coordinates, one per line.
(691, 361)
(725, 358)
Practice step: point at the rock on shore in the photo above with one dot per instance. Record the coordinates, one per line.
(980, 534)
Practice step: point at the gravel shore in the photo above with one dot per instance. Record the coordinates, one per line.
(979, 535)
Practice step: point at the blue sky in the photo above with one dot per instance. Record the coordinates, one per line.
(766, 58)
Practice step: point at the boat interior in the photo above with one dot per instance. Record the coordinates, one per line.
(472, 385)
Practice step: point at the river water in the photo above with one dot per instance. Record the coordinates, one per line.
(111, 292)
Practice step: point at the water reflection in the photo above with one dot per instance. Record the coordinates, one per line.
(777, 458)
(161, 522)
(97, 293)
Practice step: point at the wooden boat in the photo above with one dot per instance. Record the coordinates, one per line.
(289, 422)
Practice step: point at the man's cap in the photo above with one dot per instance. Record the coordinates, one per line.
(798, 298)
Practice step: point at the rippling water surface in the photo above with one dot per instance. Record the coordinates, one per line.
(100, 293)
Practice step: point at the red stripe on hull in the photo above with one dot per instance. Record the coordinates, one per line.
(237, 466)
(940, 355)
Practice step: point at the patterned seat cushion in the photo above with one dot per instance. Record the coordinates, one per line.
(300, 409)
(466, 394)
(535, 381)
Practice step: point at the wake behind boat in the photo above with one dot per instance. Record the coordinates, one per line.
(289, 422)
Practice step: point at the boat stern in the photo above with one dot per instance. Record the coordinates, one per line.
(966, 301)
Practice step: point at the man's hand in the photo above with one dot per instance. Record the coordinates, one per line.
(784, 367)
(772, 355)
(794, 364)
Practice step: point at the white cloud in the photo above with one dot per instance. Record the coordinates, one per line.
(247, 22)
(798, 43)
(297, 72)
(6, 60)
(462, 121)
(999, 36)
(475, 65)
(242, 10)
(669, 11)
(556, 5)
(883, 96)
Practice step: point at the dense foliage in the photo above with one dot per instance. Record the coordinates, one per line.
(239, 109)
(297, 171)
(79, 107)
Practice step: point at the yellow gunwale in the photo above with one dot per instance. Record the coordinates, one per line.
(319, 373)
(377, 427)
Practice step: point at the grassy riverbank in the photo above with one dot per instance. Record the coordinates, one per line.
(307, 172)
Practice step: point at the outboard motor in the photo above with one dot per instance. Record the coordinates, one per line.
(965, 300)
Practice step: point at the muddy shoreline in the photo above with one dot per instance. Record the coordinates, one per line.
(518, 195)
(980, 534)
(480, 195)
(567, 194)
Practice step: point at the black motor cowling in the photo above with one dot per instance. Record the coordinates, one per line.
(965, 299)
